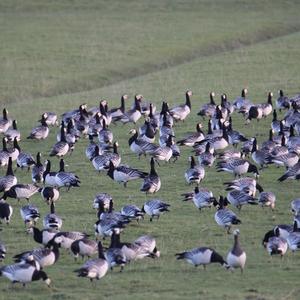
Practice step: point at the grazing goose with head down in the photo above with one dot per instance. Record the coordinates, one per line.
(246, 184)
(152, 181)
(24, 273)
(94, 268)
(236, 258)
(154, 208)
(132, 212)
(180, 112)
(202, 256)
(282, 101)
(267, 199)
(21, 191)
(239, 198)
(275, 243)
(30, 214)
(49, 194)
(84, 247)
(102, 201)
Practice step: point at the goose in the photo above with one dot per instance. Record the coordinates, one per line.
(166, 127)
(71, 134)
(152, 181)
(38, 170)
(147, 132)
(119, 111)
(115, 256)
(293, 239)
(258, 156)
(236, 257)
(112, 215)
(21, 191)
(124, 173)
(25, 160)
(6, 211)
(180, 112)
(48, 176)
(276, 245)
(61, 148)
(287, 160)
(50, 194)
(5, 122)
(281, 149)
(84, 247)
(207, 158)
(219, 142)
(40, 132)
(291, 173)
(193, 138)
(105, 115)
(239, 198)
(30, 214)
(41, 236)
(52, 220)
(75, 113)
(101, 162)
(282, 101)
(246, 184)
(226, 104)
(267, 107)
(237, 166)
(154, 208)
(281, 230)
(45, 257)
(195, 173)
(234, 137)
(104, 228)
(255, 112)
(241, 101)
(163, 153)
(293, 140)
(131, 211)
(295, 206)
(201, 197)
(202, 256)
(94, 268)
(270, 144)
(13, 132)
(102, 200)
(208, 109)
(154, 118)
(134, 114)
(66, 238)
(276, 124)
(51, 118)
(14, 151)
(225, 217)
(246, 147)
(105, 136)
(230, 153)
(147, 247)
(90, 151)
(66, 179)
(9, 180)
(2, 251)
(24, 273)
(95, 125)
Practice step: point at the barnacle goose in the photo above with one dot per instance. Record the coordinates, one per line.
(102, 200)
(195, 173)
(180, 112)
(9, 180)
(94, 268)
(60, 148)
(282, 101)
(207, 158)
(132, 212)
(49, 194)
(164, 152)
(84, 247)
(154, 208)
(24, 273)
(291, 173)
(66, 179)
(236, 257)
(66, 238)
(4, 155)
(25, 160)
(258, 156)
(41, 236)
(6, 211)
(40, 132)
(48, 176)
(237, 166)
(14, 151)
(246, 184)
(275, 243)
(295, 206)
(208, 109)
(124, 173)
(147, 132)
(119, 111)
(30, 214)
(105, 227)
(239, 198)
(5, 122)
(202, 197)
(52, 220)
(38, 170)
(234, 137)
(267, 107)
(225, 217)
(132, 115)
(21, 191)
(202, 256)
(293, 239)
(2, 251)
(105, 136)
(51, 118)
(152, 181)
(13, 132)
(267, 199)
(193, 138)
(218, 142)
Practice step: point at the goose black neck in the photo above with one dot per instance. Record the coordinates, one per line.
(152, 167)
(9, 168)
(52, 208)
(211, 97)
(270, 98)
(274, 115)
(115, 148)
(100, 251)
(14, 125)
(16, 144)
(133, 138)
(187, 99)
(62, 132)
(62, 165)
(5, 114)
(254, 145)
(122, 107)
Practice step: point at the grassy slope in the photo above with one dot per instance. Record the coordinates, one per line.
(267, 66)
(56, 47)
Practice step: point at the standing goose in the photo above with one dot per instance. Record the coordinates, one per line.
(38, 170)
(237, 166)
(94, 268)
(293, 239)
(2, 251)
(154, 208)
(66, 179)
(207, 158)
(51, 118)
(12, 133)
(134, 114)
(195, 173)
(25, 160)
(291, 173)
(208, 109)
(267, 107)
(49, 194)
(276, 124)
(119, 111)
(255, 112)
(61, 148)
(52, 220)
(5, 122)
(219, 142)
(95, 125)
(147, 132)
(40, 132)
(124, 173)
(165, 152)
(258, 156)
(21, 191)
(234, 137)
(6, 211)
(105, 136)
(193, 138)
(14, 151)
(152, 181)
(42, 236)
(71, 134)
(90, 152)
(202, 197)
(282, 101)
(9, 180)
(236, 258)
(225, 217)
(180, 112)
(84, 247)
(202, 256)
(4, 155)
(24, 273)
(48, 176)
(115, 256)
(30, 214)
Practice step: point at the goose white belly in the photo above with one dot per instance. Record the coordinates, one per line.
(236, 261)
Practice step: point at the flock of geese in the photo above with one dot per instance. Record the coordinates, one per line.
(155, 139)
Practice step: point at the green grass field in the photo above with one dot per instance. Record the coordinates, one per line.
(56, 55)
